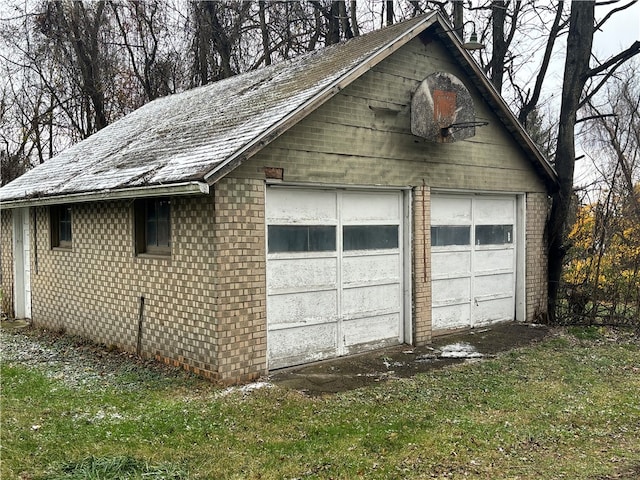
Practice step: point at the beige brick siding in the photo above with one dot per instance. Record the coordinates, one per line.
(94, 289)
(421, 255)
(536, 257)
(6, 263)
(240, 279)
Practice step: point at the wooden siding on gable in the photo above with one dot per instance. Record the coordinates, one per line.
(362, 136)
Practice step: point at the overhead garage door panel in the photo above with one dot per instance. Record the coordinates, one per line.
(451, 264)
(366, 208)
(473, 260)
(488, 311)
(450, 210)
(487, 211)
(371, 269)
(452, 291)
(286, 275)
(291, 206)
(293, 346)
(494, 284)
(452, 316)
(370, 301)
(329, 297)
(489, 261)
(370, 332)
(302, 308)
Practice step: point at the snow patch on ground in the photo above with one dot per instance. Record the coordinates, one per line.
(246, 389)
(460, 350)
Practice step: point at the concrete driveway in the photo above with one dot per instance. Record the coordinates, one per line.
(356, 371)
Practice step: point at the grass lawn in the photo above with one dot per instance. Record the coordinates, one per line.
(568, 407)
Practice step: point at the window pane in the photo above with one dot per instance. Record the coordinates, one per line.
(301, 238)
(151, 232)
(163, 233)
(65, 214)
(64, 225)
(163, 223)
(322, 239)
(65, 231)
(162, 207)
(369, 237)
(445, 235)
(494, 234)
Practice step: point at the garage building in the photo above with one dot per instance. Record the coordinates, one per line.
(372, 193)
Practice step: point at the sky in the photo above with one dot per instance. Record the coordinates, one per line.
(618, 33)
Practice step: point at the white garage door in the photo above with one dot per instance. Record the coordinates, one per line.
(473, 256)
(334, 273)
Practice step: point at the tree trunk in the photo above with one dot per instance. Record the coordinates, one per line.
(265, 32)
(344, 20)
(354, 19)
(579, 43)
(458, 18)
(333, 23)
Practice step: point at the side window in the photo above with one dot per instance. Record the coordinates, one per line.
(153, 226)
(60, 225)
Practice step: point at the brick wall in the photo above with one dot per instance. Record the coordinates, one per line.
(6, 263)
(95, 289)
(421, 255)
(536, 257)
(240, 279)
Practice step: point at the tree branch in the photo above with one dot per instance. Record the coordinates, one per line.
(613, 63)
(544, 66)
(595, 117)
(612, 12)
(634, 49)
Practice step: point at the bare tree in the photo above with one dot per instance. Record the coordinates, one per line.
(217, 28)
(616, 117)
(335, 24)
(74, 32)
(141, 27)
(601, 282)
(577, 74)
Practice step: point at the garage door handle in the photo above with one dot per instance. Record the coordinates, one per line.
(476, 300)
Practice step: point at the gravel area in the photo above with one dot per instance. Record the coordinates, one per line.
(76, 362)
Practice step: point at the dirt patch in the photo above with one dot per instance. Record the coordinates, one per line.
(357, 371)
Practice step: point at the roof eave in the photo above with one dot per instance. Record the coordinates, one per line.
(183, 188)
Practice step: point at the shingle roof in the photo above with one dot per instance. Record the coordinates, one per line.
(200, 134)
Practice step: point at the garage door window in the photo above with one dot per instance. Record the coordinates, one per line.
(494, 234)
(446, 235)
(370, 237)
(302, 238)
